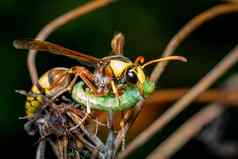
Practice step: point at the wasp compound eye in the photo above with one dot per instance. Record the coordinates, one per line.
(131, 76)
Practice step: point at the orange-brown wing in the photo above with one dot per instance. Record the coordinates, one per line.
(55, 49)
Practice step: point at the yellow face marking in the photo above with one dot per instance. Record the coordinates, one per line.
(114, 88)
(140, 76)
(118, 67)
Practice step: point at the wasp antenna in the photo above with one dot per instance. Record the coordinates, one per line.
(177, 58)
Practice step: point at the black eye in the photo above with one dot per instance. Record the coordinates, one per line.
(131, 76)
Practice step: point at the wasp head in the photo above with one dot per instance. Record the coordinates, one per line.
(135, 74)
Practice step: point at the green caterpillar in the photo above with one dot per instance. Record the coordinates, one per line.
(130, 97)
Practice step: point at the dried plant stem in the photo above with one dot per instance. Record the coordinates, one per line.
(170, 95)
(57, 23)
(129, 119)
(40, 153)
(191, 127)
(192, 25)
(186, 132)
(231, 0)
(228, 61)
(173, 44)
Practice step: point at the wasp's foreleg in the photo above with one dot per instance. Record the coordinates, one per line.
(88, 79)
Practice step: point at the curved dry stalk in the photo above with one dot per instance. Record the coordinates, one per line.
(232, 0)
(191, 127)
(225, 64)
(56, 24)
(173, 44)
(129, 119)
(170, 95)
(181, 136)
(192, 25)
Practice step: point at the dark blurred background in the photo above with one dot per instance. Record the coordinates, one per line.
(147, 25)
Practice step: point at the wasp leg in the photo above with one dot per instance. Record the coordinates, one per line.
(110, 153)
(88, 109)
(68, 88)
(87, 77)
(115, 91)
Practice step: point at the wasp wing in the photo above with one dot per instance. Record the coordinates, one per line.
(55, 49)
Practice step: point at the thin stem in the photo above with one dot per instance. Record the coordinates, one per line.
(186, 132)
(40, 153)
(110, 150)
(224, 65)
(231, 0)
(56, 24)
(170, 95)
(188, 28)
(191, 127)
(173, 44)
(94, 139)
(128, 120)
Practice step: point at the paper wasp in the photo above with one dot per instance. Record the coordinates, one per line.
(111, 72)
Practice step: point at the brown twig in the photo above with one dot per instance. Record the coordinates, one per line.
(191, 127)
(228, 61)
(192, 25)
(173, 44)
(57, 23)
(170, 95)
(231, 1)
(128, 120)
(186, 132)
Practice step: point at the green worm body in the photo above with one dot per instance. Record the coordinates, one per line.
(130, 97)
